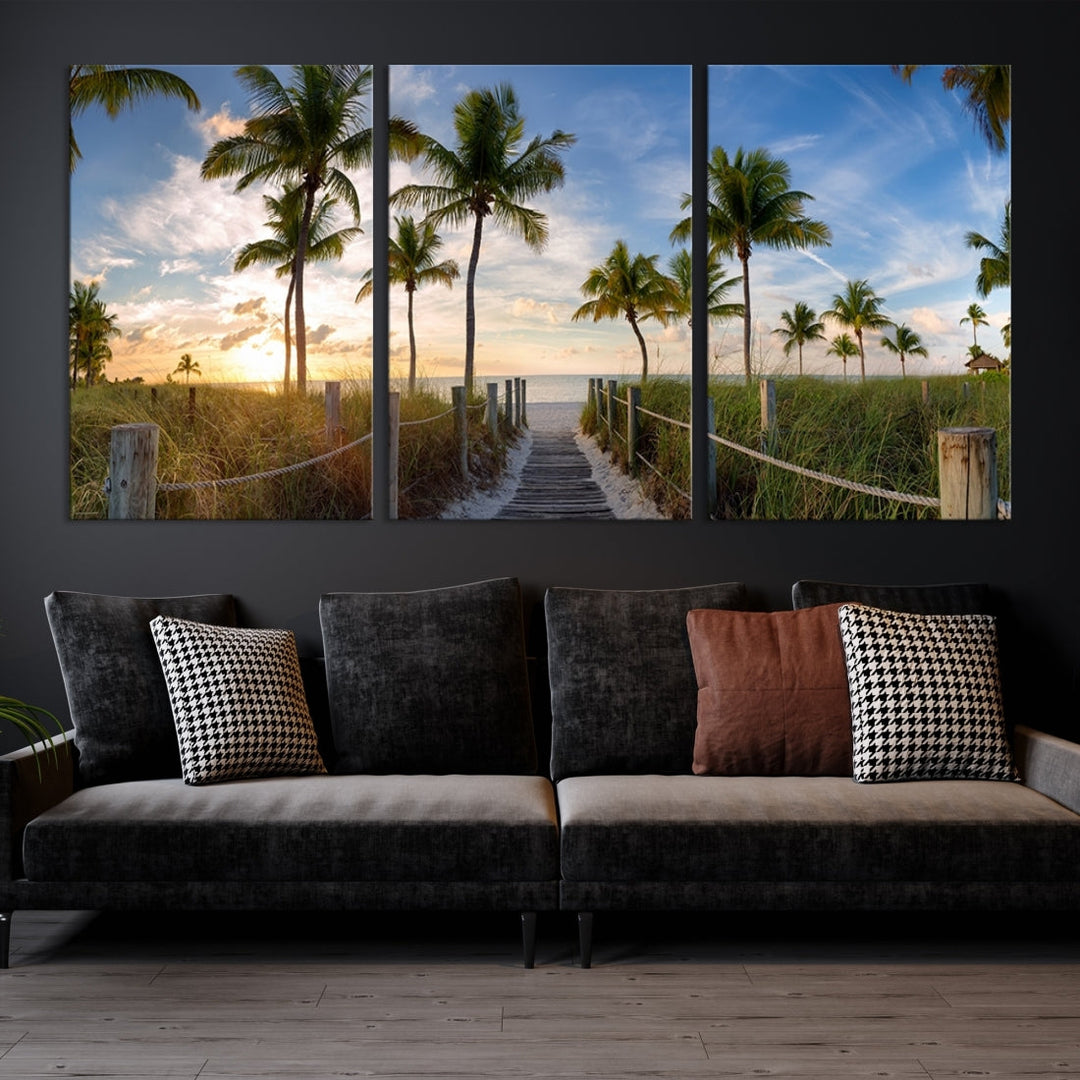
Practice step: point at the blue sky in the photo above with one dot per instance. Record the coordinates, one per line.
(897, 172)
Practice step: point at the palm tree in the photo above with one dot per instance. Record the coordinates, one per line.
(305, 135)
(411, 262)
(842, 346)
(800, 326)
(989, 96)
(488, 173)
(977, 317)
(187, 367)
(89, 328)
(858, 308)
(904, 343)
(751, 202)
(279, 251)
(994, 269)
(117, 88)
(628, 286)
(718, 308)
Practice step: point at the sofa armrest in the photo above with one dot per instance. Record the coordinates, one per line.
(1049, 764)
(24, 794)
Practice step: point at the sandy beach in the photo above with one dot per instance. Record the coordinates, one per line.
(622, 493)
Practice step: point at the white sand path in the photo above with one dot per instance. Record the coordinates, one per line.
(623, 494)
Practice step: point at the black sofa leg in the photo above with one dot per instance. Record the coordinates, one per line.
(584, 927)
(5, 937)
(528, 937)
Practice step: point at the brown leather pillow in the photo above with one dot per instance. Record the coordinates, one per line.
(772, 693)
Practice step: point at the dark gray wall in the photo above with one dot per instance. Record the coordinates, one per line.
(278, 570)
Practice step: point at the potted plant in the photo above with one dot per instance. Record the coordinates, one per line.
(30, 722)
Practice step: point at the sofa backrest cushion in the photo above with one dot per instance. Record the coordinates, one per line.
(772, 693)
(431, 681)
(962, 598)
(116, 692)
(623, 691)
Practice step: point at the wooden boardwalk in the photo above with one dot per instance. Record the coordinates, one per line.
(556, 482)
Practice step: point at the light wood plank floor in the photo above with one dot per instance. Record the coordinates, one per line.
(210, 997)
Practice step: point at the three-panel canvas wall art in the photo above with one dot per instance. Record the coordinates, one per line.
(542, 353)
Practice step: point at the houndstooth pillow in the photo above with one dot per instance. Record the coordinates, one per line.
(925, 696)
(237, 700)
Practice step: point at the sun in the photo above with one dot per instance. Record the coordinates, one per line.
(257, 362)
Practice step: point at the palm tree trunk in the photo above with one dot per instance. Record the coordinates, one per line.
(412, 346)
(470, 302)
(288, 332)
(641, 341)
(298, 273)
(862, 358)
(746, 317)
(800, 359)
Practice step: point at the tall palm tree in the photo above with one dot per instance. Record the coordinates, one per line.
(977, 317)
(489, 173)
(187, 367)
(411, 262)
(858, 308)
(904, 343)
(118, 88)
(751, 201)
(994, 268)
(842, 346)
(305, 135)
(989, 96)
(279, 251)
(629, 286)
(681, 269)
(800, 326)
(90, 326)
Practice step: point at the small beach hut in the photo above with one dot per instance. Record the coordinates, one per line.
(984, 362)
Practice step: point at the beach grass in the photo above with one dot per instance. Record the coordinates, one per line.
(879, 433)
(237, 432)
(429, 479)
(231, 432)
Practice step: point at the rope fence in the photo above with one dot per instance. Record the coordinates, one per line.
(269, 474)
(513, 418)
(967, 457)
(132, 485)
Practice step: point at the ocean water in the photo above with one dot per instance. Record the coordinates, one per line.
(538, 388)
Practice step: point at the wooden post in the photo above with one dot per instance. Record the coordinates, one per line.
(768, 416)
(461, 428)
(524, 399)
(334, 430)
(517, 402)
(965, 390)
(132, 482)
(612, 388)
(925, 392)
(493, 409)
(710, 458)
(394, 403)
(599, 399)
(967, 464)
(633, 429)
(508, 406)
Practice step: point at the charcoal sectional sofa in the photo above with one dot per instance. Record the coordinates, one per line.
(704, 756)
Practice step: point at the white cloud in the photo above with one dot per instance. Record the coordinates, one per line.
(178, 266)
(219, 125)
